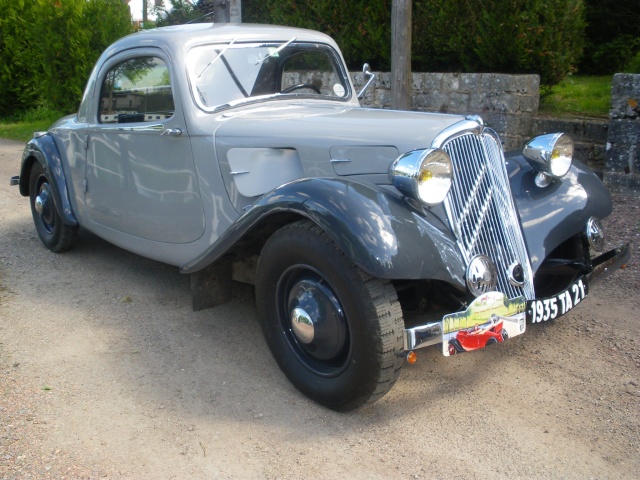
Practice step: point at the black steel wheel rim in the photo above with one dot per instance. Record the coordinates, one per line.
(303, 292)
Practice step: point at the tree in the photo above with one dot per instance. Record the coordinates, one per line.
(612, 36)
(47, 49)
(178, 13)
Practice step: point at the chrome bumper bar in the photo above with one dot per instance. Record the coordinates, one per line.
(423, 336)
(607, 263)
(603, 266)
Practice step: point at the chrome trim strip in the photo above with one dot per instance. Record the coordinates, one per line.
(340, 160)
(142, 128)
(468, 125)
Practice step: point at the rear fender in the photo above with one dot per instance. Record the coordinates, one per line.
(43, 150)
(374, 227)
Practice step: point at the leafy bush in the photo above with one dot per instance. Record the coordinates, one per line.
(613, 36)
(18, 86)
(633, 66)
(510, 36)
(48, 47)
(177, 12)
(362, 28)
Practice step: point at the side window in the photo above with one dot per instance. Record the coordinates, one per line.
(136, 90)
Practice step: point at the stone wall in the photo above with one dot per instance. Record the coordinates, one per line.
(506, 102)
(623, 148)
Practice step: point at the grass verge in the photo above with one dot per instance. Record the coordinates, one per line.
(577, 96)
(22, 126)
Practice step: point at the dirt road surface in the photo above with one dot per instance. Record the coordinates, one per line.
(105, 372)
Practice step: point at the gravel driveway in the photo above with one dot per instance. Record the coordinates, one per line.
(106, 372)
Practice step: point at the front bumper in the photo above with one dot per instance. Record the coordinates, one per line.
(602, 266)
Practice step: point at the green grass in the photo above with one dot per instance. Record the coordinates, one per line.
(21, 127)
(577, 96)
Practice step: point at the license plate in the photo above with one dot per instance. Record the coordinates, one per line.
(544, 309)
(490, 318)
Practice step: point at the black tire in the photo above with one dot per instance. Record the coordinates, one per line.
(505, 335)
(491, 341)
(348, 356)
(53, 233)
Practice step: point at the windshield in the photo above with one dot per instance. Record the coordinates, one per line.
(224, 75)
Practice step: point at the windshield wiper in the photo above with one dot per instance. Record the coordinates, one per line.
(219, 56)
(275, 52)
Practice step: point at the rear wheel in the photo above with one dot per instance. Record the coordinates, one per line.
(335, 331)
(53, 233)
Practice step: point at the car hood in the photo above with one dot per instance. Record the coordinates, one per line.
(367, 139)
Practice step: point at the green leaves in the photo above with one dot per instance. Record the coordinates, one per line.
(48, 47)
(509, 36)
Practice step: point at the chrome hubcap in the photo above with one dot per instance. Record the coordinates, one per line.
(43, 205)
(302, 325)
(41, 201)
(313, 320)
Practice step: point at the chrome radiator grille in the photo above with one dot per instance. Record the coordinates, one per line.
(481, 209)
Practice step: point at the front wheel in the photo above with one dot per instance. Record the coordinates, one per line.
(335, 331)
(53, 233)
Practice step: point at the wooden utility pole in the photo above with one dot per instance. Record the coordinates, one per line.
(221, 12)
(401, 55)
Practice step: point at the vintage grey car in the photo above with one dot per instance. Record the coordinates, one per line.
(240, 152)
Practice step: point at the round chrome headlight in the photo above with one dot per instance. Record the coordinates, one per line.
(551, 154)
(482, 275)
(425, 175)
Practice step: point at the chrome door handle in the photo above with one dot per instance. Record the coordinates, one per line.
(172, 132)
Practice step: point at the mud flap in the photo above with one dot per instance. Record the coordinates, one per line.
(211, 286)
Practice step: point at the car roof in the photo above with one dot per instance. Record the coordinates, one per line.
(179, 37)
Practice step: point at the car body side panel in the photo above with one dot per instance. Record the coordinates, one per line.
(553, 214)
(374, 227)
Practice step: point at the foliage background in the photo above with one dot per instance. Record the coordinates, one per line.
(48, 47)
(507, 36)
(612, 37)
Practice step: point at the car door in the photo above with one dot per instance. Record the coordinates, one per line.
(140, 174)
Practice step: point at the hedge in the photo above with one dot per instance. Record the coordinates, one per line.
(48, 47)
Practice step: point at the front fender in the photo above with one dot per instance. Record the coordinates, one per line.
(553, 214)
(43, 149)
(375, 228)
